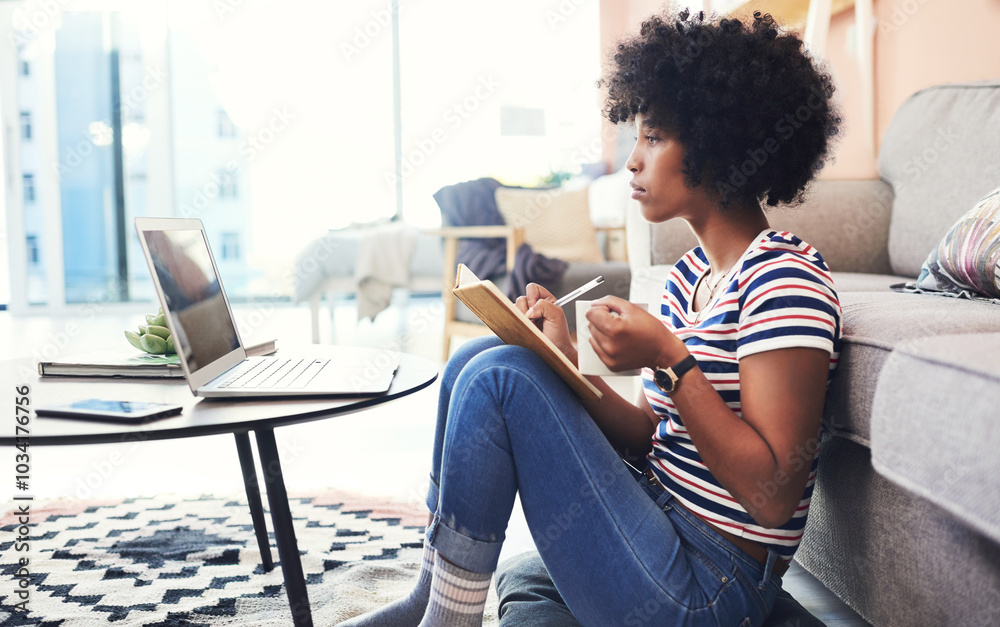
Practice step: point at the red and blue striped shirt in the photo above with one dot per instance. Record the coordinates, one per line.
(778, 295)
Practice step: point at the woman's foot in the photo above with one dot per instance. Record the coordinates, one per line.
(407, 611)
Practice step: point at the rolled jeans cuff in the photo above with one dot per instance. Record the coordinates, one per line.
(433, 491)
(478, 556)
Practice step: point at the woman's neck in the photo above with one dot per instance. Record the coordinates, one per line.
(725, 235)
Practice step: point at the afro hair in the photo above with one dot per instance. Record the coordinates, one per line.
(751, 109)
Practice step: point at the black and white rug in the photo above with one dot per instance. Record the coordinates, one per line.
(171, 560)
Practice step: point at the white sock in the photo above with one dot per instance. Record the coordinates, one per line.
(458, 597)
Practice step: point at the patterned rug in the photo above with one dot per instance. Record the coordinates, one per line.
(172, 560)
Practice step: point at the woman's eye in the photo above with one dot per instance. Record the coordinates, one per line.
(651, 140)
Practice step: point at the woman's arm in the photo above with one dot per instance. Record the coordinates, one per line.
(761, 458)
(629, 428)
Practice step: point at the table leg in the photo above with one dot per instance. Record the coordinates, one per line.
(253, 497)
(284, 533)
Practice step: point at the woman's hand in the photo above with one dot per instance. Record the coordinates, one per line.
(540, 306)
(626, 336)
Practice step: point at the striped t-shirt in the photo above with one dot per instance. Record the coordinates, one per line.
(778, 295)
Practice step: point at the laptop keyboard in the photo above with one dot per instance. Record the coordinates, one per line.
(275, 373)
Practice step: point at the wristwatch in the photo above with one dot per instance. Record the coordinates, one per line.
(667, 379)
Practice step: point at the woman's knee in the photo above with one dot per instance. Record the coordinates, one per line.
(510, 357)
(466, 352)
(504, 366)
(528, 392)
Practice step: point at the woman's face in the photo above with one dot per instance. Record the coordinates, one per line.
(656, 164)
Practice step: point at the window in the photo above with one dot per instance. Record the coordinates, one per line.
(252, 139)
(31, 243)
(29, 187)
(522, 121)
(225, 126)
(227, 183)
(25, 125)
(500, 110)
(230, 246)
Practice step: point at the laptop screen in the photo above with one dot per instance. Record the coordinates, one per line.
(203, 327)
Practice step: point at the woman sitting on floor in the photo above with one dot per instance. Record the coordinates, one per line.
(729, 116)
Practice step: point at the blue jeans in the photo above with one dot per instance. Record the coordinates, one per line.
(528, 597)
(618, 550)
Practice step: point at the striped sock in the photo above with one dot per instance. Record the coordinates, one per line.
(458, 597)
(405, 612)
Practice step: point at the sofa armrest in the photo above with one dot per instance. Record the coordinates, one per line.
(611, 240)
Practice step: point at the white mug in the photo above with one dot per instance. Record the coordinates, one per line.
(587, 359)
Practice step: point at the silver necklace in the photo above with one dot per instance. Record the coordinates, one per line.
(711, 293)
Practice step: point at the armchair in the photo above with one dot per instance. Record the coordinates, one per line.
(458, 320)
(513, 237)
(469, 212)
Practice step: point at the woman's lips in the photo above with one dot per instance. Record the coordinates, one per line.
(637, 191)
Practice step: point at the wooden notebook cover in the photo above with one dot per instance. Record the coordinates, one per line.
(485, 300)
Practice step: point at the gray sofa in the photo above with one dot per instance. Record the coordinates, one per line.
(905, 519)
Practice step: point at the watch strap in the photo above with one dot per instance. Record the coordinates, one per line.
(684, 365)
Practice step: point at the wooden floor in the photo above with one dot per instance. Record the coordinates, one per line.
(314, 455)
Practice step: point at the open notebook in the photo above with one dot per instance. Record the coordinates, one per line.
(485, 300)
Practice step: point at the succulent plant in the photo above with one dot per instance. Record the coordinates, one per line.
(154, 336)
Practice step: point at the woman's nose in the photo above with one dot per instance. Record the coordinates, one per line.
(633, 162)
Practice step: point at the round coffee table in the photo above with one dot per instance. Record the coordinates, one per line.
(209, 417)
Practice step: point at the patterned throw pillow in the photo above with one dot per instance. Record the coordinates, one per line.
(967, 261)
(556, 222)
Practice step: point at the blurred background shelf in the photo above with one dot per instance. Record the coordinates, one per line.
(789, 13)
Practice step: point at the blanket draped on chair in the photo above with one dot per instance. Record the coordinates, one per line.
(472, 203)
(385, 253)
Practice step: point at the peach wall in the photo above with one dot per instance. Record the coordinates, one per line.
(617, 18)
(853, 157)
(918, 43)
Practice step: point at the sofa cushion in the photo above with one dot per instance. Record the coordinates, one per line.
(941, 153)
(875, 323)
(863, 282)
(935, 424)
(846, 221)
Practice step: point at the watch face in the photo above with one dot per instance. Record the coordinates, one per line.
(662, 380)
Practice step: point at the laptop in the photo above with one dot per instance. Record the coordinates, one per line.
(207, 339)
